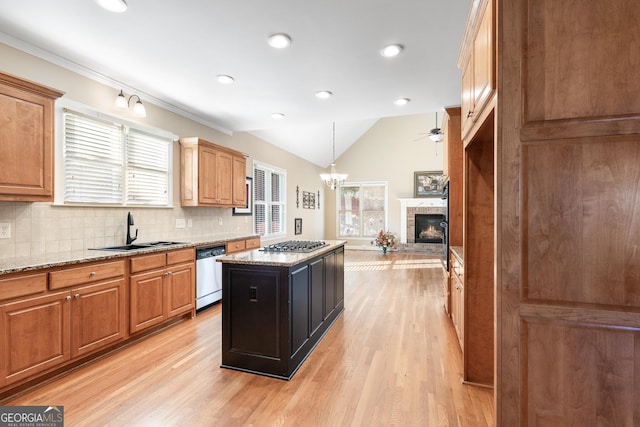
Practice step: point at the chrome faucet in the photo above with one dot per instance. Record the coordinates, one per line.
(129, 224)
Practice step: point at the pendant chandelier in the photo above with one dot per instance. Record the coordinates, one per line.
(333, 179)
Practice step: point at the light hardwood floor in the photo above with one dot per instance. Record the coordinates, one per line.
(390, 359)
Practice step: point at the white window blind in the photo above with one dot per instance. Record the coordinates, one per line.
(269, 200)
(114, 164)
(147, 169)
(93, 160)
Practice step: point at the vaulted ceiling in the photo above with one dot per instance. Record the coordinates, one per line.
(170, 53)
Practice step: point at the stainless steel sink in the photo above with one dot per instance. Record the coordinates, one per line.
(133, 247)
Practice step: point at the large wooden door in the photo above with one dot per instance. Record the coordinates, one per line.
(568, 214)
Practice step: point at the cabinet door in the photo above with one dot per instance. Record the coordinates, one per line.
(207, 175)
(329, 284)
(98, 316)
(339, 276)
(180, 289)
(467, 97)
(146, 300)
(239, 181)
(483, 69)
(26, 152)
(317, 285)
(224, 170)
(299, 309)
(35, 335)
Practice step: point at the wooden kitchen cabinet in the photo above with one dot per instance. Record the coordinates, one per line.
(242, 245)
(457, 296)
(43, 332)
(478, 63)
(26, 140)
(211, 175)
(35, 335)
(162, 286)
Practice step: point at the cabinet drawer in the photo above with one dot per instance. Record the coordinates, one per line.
(252, 243)
(183, 255)
(147, 262)
(23, 285)
(236, 246)
(80, 275)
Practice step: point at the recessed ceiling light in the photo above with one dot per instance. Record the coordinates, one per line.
(225, 79)
(391, 50)
(401, 101)
(323, 94)
(117, 6)
(279, 40)
(277, 116)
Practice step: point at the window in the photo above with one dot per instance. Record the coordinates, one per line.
(269, 200)
(362, 209)
(109, 163)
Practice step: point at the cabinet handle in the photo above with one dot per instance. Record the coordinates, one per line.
(93, 273)
(469, 114)
(168, 273)
(77, 296)
(68, 297)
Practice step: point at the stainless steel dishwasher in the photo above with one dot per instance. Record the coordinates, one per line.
(208, 275)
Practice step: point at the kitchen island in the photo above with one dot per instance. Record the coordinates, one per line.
(276, 307)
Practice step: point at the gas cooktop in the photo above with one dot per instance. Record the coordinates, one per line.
(295, 246)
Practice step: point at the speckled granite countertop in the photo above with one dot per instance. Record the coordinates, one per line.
(458, 252)
(288, 259)
(15, 265)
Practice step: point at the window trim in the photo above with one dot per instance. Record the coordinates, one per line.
(360, 184)
(283, 172)
(63, 104)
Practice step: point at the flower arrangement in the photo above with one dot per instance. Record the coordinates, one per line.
(385, 241)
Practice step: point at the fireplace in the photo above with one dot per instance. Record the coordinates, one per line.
(428, 228)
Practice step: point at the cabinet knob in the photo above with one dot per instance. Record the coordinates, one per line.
(68, 297)
(469, 114)
(93, 273)
(76, 296)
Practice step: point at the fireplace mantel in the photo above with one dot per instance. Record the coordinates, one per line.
(427, 202)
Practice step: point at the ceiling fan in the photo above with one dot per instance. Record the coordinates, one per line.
(436, 134)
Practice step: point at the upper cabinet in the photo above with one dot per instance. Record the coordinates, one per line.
(26, 140)
(211, 175)
(477, 62)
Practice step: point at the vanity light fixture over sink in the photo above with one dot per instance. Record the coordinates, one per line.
(123, 102)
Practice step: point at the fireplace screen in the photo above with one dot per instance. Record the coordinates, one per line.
(428, 228)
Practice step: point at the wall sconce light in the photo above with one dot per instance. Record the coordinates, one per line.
(123, 102)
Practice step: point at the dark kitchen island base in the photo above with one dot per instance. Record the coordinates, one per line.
(273, 316)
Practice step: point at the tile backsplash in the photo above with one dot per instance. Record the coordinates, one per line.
(41, 228)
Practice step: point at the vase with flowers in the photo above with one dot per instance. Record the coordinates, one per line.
(385, 240)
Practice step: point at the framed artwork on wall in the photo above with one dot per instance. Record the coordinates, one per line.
(298, 226)
(428, 184)
(248, 207)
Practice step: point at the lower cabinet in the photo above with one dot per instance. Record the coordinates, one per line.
(42, 332)
(161, 286)
(457, 298)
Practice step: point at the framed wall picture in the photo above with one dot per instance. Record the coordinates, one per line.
(248, 207)
(298, 226)
(428, 184)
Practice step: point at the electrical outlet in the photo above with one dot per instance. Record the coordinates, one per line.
(219, 220)
(5, 230)
(180, 223)
(189, 223)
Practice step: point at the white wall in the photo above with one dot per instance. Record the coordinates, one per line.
(40, 228)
